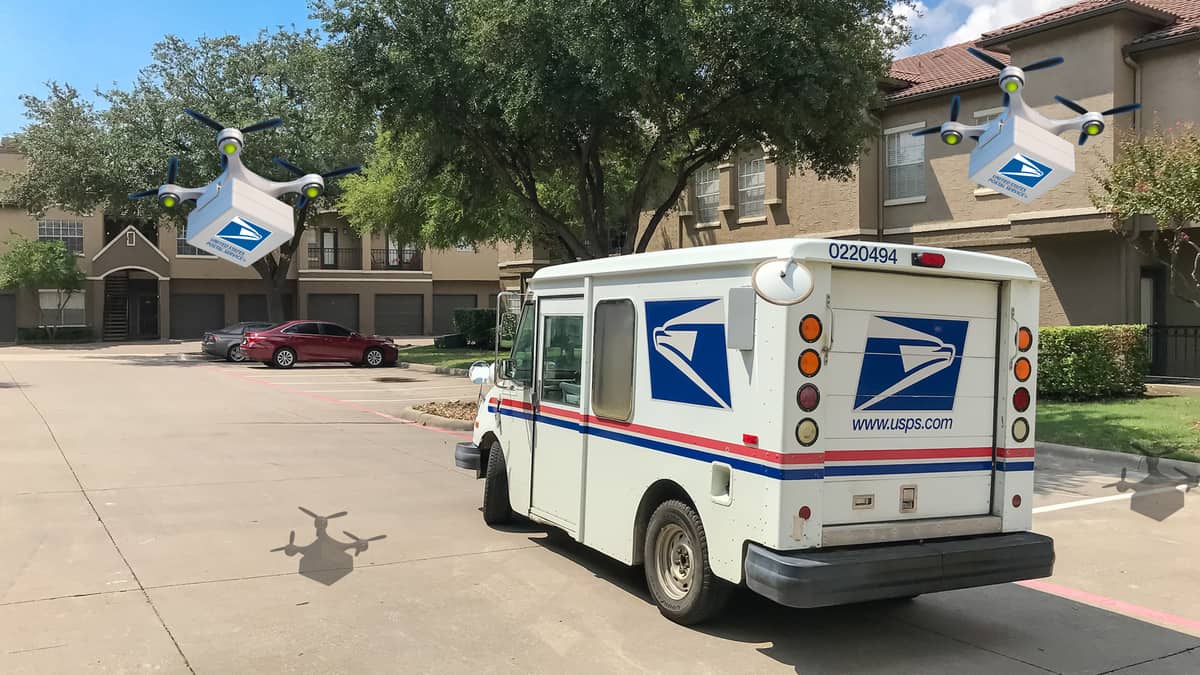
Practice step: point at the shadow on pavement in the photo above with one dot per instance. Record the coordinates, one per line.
(1002, 629)
(326, 560)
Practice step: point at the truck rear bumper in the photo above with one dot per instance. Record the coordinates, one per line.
(817, 578)
(468, 456)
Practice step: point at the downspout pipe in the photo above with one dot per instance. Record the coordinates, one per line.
(1138, 116)
(880, 152)
(1137, 91)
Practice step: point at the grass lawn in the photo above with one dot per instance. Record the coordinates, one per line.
(448, 358)
(1167, 426)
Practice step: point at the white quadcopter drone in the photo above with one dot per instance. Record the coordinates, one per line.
(1021, 153)
(239, 216)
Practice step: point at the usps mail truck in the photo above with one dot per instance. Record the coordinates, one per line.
(821, 421)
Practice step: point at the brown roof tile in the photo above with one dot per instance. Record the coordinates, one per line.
(941, 69)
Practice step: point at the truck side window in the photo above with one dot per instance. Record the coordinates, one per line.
(562, 358)
(612, 364)
(522, 349)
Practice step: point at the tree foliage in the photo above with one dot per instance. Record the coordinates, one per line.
(41, 265)
(1157, 176)
(568, 121)
(83, 157)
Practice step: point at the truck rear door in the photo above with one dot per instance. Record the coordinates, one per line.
(910, 416)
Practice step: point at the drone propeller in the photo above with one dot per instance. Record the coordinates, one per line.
(1119, 484)
(955, 105)
(1044, 63)
(987, 58)
(297, 171)
(291, 542)
(209, 122)
(996, 63)
(1007, 100)
(1189, 480)
(172, 172)
(339, 514)
(1117, 110)
(1071, 104)
(360, 544)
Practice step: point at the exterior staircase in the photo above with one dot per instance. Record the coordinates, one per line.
(116, 306)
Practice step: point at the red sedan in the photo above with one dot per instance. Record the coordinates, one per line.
(305, 341)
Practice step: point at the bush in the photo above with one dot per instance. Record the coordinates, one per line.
(451, 341)
(1077, 363)
(477, 326)
(62, 335)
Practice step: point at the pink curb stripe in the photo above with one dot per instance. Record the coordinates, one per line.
(1117, 606)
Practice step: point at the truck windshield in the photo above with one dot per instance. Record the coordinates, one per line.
(522, 351)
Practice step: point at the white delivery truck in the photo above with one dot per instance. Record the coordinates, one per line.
(822, 421)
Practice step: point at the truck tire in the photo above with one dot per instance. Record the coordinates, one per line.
(675, 558)
(496, 508)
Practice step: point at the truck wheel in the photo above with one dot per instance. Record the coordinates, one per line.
(676, 563)
(496, 508)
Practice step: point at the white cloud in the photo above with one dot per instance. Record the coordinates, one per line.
(986, 15)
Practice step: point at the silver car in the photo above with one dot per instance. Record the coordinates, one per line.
(227, 342)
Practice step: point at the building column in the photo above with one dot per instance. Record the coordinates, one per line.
(164, 309)
(95, 307)
(728, 200)
(366, 241)
(775, 192)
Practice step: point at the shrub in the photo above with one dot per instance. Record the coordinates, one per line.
(451, 341)
(61, 335)
(1086, 362)
(477, 326)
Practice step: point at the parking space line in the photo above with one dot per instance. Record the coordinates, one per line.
(1112, 605)
(1108, 498)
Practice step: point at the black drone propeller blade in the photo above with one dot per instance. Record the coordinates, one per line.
(289, 166)
(302, 202)
(930, 130)
(204, 119)
(1044, 63)
(291, 542)
(987, 58)
(1071, 104)
(344, 171)
(143, 193)
(224, 162)
(377, 537)
(1128, 107)
(955, 104)
(1083, 137)
(263, 125)
(172, 169)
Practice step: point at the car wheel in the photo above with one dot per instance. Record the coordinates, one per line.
(675, 558)
(496, 508)
(373, 357)
(235, 354)
(284, 357)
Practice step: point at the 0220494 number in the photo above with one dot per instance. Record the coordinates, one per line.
(862, 253)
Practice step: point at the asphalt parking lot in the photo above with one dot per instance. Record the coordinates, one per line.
(142, 492)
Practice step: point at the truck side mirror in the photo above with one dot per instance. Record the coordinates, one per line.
(480, 372)
(505, 369)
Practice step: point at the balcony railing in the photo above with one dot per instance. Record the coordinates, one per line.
(396, 259)
(320, 258)
(1174, 351)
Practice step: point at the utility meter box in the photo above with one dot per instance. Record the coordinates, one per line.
(238, 222)
(1021, 159)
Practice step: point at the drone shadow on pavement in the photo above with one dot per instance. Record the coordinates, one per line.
(326, 560)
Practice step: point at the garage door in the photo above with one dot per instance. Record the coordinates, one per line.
(253, 306)
(443, 311)
(8, 317)
(336, 307)
(194, 313)
(397, 314)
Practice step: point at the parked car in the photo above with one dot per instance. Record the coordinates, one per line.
(227, 342)
(291, 342)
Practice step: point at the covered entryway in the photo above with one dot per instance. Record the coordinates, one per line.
(194, 313)
(399, 314)
(444, 307)
(8, 317)
(336, 307)
(131, 305)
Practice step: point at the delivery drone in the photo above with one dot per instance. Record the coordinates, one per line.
(240, 215)
(1021, 153)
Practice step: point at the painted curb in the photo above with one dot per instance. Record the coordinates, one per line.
(431, 420)
(440, 370)
(1071, 452)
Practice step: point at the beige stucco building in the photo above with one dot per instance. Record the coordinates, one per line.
(146, 284)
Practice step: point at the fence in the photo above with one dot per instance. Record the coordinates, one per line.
(1174, 351)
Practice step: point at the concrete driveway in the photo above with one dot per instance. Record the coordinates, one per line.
(142, 492)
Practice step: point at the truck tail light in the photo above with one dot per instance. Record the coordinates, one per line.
(810, 328)
(807, 397)
(806, 432)
(1024, 339)
(1020, 399)
(928, 260)
(1022, 369)
(1020, 430)
(1016, 501)
(810, 362)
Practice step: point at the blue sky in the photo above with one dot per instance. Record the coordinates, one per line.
(98, 42)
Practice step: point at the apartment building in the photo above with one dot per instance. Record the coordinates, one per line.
(915, 189)
(149, 283)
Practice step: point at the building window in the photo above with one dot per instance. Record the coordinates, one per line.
(72, 307)
(752, 185)
(464, 247)
(612, 367)
(182, 247)
(707, 186)
(905, 165)
(69, 232)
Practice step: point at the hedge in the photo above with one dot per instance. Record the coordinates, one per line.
(1077, 363)
(477, 326)
(65, 334)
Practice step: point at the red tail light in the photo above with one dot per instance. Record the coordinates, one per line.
(928, 259)
(1021, 399)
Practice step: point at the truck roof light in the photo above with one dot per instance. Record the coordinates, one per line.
(810, 328)
(1021, 399)
(810, 362)
(1024, 339)
(928, 260)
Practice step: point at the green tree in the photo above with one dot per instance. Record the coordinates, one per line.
(83, 158)
(1157, 176)
(36, 266)
(582, 122)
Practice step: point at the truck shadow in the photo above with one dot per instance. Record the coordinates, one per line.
(1003, 629)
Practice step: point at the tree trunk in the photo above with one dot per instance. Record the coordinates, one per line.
(275, 286)
(275, 267)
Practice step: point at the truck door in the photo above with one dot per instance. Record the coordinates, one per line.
(558, 443)
(911, 413)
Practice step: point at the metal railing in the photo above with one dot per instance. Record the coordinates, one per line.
(408, 259)
(1174, 351)
(321, 258)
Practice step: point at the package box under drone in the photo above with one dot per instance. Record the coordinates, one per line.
(1022, 160)
(239, 222)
